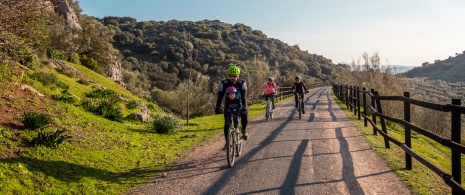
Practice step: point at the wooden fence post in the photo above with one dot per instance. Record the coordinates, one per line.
(358, 102)
(408, 136)
(381, 120)
(456, 137)
(350, 97)
(364, 106)
(346, 95)
(372, 115)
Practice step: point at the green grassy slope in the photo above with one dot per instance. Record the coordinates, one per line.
(103, 156)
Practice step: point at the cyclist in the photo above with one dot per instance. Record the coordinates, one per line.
(270, 90)
(298, 87)
(241, 87)
(231, 104)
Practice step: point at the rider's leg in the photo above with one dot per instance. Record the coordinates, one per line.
(272, 100)
(236, 121)
(295, 97)
(227, 121)
(244, 121)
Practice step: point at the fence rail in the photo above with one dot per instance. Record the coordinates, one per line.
(350, 95)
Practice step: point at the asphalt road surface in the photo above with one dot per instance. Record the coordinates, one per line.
(322, 153)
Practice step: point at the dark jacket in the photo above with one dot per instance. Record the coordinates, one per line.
(299, 87)
(240, 94)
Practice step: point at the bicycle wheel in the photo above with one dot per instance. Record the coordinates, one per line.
(230, 147)
(300, 108)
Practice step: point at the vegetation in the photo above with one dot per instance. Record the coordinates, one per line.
(165, 124)
(451, 69)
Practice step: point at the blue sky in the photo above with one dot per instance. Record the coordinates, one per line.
(403, 32)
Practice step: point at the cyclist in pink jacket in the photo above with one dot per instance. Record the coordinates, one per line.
(270, 90)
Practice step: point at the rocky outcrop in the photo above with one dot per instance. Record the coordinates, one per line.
(140, 117)
(72, 24)
(63, 67)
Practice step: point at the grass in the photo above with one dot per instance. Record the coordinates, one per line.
(421, 180)
(103, 156)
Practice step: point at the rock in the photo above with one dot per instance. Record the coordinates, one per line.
(140, 117)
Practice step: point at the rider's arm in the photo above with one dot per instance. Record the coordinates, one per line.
(221, 91)
(244, 95)
(304, 86)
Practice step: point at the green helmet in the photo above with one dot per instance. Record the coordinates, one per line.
(234, 70)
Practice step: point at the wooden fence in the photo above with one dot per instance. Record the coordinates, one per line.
(351, 97)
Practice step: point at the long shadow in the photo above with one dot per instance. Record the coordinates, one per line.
(312, 117)
(330, 110)
(217, 186)
(293, 173)
(61, 170)
(315, 104)
(347, 165)
(321, 93)
(263, 191)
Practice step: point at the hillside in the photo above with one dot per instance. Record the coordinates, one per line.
(104, 155)
(451, 69)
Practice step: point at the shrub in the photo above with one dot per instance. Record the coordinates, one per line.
(34, 120)
(52, 139)
(131, 104)
(83, 81)
(90, 104)
(45, 78)
(90, 63)
(67, 98)
(108, 94)
(56, 55)
(4, 133)
(166, 124)
(150, 106)
(74, 58)
(109, 111)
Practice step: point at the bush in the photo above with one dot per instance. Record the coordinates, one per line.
(108, 94)
(55, 54)
(90, 104)
(67, 98)
(131, 104)
(45, 78)
(109, 111)
(52, 139)
(90, 63)
(34, 120)
(166, 124)
(74, 58)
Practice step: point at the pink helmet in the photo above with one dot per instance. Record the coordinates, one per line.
(231, 89)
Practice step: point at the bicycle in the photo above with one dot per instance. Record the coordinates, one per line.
(269, 108)
(300, 103)
(234, 139)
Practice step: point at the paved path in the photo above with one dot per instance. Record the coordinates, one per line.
(322, 153)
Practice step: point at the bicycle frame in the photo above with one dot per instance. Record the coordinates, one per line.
(234, 139)
(268, 108)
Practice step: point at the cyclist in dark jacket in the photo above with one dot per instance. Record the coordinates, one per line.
(240, 85)
(298, 87)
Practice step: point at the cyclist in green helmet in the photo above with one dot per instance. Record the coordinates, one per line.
(240, 85)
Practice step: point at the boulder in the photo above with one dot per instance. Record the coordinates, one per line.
(140, 117)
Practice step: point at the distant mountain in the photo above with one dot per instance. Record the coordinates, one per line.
(451, 69)
(394, 68)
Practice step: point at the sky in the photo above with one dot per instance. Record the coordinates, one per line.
(402, 32)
